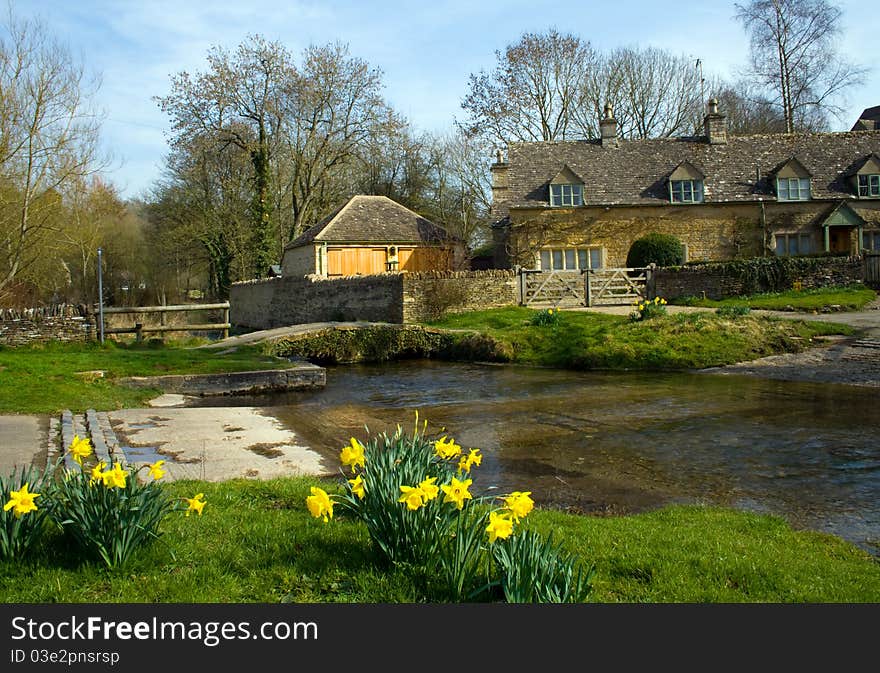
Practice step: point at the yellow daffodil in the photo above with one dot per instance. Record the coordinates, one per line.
(97, 473)
(412, 496)
(320, 505)
(446, 448)
(196, 504)
(549, 311)
(467, 462)
(429, 489)
(500, 526)
(519, 503)
(457, 491)
(353, 454)
(21, 501)
(80, 448)
(156, 471)
(357, 486)
(115, 478)
(662, 301)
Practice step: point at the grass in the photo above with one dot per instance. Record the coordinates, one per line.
(583, 340)
(678, 554)
(847, 297)
(43, 379)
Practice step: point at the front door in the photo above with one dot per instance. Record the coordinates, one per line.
(840, 240)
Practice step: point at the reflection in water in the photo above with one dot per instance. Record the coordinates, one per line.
(601, 442)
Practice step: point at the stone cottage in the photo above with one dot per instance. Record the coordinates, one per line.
(579, 205)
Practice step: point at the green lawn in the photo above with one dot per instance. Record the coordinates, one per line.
(847, 297)
(583, 340)
(43, 379)
(679, 554)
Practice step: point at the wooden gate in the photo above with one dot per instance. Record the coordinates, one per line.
(615, 287)
(551, 288)
(872, 268)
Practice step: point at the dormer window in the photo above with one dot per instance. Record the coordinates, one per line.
(793, 182)
(793, 189)
(686, 184)
(566, 189)
(566, 195)
(869, 186)
(686, 191)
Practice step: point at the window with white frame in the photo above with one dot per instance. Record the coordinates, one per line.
(788, 245)
(566, 195)
(570, 259)
(686, 191)
(869, 185)
(793, 189)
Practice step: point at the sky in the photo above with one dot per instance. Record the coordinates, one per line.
(426, 51)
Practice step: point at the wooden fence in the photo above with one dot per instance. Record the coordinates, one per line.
(139, 329)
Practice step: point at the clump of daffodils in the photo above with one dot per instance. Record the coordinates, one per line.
(647, 309)
(546, 318)
(415, 496)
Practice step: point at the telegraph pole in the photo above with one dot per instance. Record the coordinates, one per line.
(100, 296)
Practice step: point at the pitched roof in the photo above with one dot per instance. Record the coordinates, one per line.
(869, 120)
(636, 172)
(372, 219)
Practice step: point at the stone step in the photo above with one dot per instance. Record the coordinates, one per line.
(92, 425)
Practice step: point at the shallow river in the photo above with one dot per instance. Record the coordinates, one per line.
(616, 443)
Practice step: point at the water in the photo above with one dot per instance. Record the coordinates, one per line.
(618, 443)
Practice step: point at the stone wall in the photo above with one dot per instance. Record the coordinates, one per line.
(387, 297)
(772, 274)
(430, 294)
(62, 322)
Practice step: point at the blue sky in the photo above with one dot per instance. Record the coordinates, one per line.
(425, 50)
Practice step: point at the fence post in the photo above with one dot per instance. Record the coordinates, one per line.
(588, 297)
(226, 321)
(519, 286)
(138, 332)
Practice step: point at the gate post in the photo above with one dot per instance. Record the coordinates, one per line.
(588, 297)
(650, 281)
(520, 289)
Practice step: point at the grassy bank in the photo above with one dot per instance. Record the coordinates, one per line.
(841, 298)
(674, 555)
(584, 340)
(49, 378)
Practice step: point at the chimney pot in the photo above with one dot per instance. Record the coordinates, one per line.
(713, 106)
(608, 128)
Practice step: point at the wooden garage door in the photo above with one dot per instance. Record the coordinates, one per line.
(424, 259)
(355, 261)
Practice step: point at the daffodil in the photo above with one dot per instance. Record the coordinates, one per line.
(519, 503)
(80, 448)
(353, 454)
(97, 473)
(115, 478)
(156, 471)
(500, 526)
(457, 491)
(549, 311)
(21, 501)
(197, 503)
(412, 496)
(357, 486)
(467, 462)
(320, 505)
(446, 448)
(429, 489)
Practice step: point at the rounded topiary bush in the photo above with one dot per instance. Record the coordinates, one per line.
(656, 248)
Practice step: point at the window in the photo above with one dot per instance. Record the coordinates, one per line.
(869, 185)
(788, 245)
(571, 259)
(793, 189)
(686, 191)
(871, 240)
(566, 195)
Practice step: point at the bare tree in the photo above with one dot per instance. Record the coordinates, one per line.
(534, 90)
(48, 138)
(794, 55)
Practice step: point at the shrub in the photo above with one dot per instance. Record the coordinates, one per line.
(656, 248)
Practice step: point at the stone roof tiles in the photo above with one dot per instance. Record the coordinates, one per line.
(636, 172)
(372, 219)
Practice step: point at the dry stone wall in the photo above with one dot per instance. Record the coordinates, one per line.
(62, 322)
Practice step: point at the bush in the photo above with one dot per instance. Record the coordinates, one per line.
(656, 248)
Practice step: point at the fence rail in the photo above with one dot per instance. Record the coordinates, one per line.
(139, 329)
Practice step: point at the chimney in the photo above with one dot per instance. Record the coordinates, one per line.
(608, 128)
(715, 124)
(499, 180)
